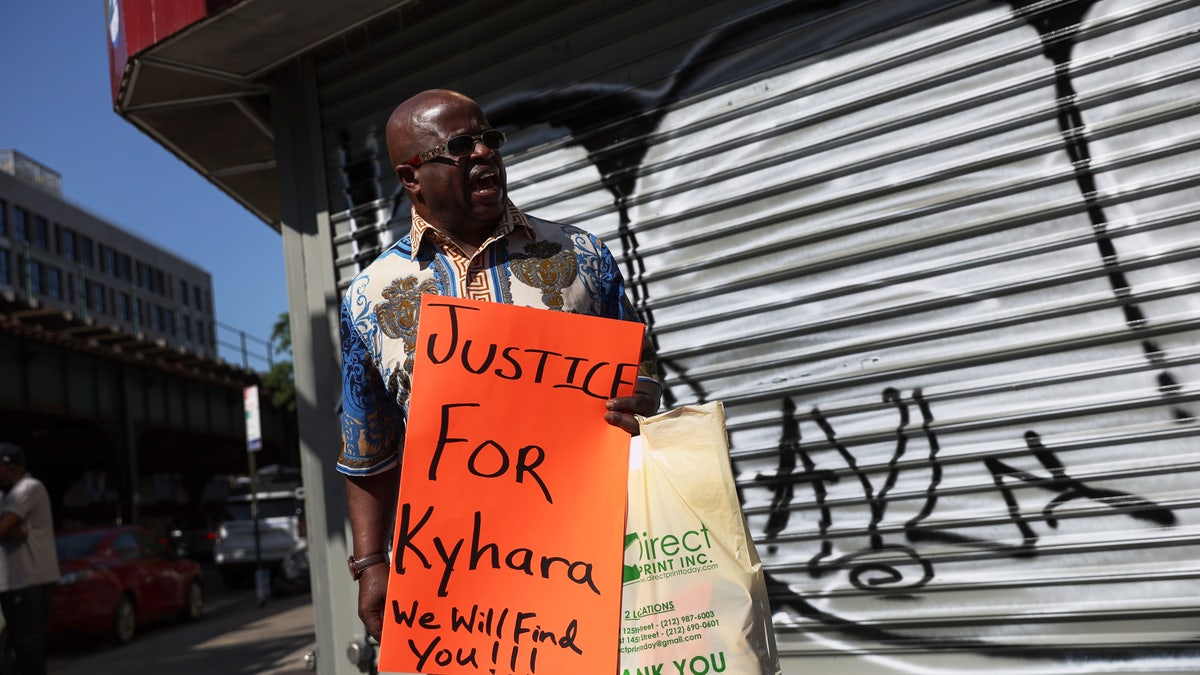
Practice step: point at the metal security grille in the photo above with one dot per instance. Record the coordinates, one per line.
(939, 261)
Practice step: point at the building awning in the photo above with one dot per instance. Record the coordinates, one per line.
(196, 77)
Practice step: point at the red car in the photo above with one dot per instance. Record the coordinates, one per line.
(118, 578)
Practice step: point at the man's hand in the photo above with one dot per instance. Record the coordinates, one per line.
(15, 535)
(12, 530)
(372, 596)
(621, 410)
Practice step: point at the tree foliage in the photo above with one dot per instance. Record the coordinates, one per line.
(279, 379)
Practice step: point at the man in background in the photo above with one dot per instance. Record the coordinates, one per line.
(28, 561)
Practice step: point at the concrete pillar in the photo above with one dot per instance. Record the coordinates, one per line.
(313, 306)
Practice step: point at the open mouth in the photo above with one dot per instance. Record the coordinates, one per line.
(485, 184)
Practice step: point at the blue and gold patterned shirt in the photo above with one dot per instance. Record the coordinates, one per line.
(527, 261)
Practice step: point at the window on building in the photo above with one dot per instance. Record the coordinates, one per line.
(199, 332)
(3, 218)
(35, 276)
(183, 292)
(20, 224)
(86, 254)
(143, 275)
(198, 298)
(108, 260)
(126, 271)
(54, 287)
(5, 273)
(66, 243)
(160, 284)
(187, 328)
(95, 292)
(40, 234)
(169, 314)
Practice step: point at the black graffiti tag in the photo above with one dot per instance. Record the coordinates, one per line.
(881, 565)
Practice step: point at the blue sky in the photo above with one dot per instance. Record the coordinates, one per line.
(56, 107)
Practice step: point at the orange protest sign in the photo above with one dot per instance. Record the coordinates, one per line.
(509, 539)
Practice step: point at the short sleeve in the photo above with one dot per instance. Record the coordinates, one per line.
(372, 422)
(19, 499)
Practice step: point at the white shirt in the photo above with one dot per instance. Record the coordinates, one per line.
(33, 561)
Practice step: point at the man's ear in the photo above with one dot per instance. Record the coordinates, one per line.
(408, 178)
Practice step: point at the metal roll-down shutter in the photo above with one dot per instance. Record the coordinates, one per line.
(939, 261)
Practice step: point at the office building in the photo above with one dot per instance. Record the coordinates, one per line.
(58, 256)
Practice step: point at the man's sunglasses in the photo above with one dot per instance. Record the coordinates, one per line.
(460, 146)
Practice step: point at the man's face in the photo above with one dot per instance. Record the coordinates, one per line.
(462, 195)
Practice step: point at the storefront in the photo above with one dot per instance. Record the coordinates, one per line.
(938, 260)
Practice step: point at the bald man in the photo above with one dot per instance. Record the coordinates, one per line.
(468, 240)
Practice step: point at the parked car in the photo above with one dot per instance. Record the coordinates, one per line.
(282, 546)
(195, 533)
(117, 579)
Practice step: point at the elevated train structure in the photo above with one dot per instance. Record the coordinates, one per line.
(109, 374)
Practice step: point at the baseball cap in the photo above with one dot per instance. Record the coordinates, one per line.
(10, 453)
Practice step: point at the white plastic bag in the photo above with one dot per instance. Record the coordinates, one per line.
(694, 601)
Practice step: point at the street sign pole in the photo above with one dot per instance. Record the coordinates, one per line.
(262, 576)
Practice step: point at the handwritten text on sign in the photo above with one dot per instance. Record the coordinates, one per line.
(510, 523)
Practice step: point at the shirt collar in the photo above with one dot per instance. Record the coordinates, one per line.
(511, 220)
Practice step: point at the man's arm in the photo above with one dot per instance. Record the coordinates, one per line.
(372, 431)
(647, 397)
(10, 528)
(372, 502)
